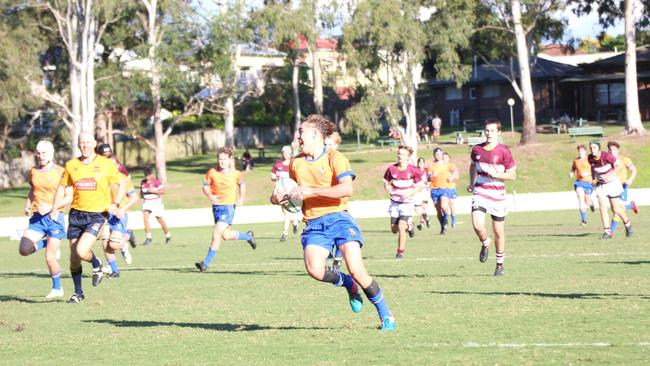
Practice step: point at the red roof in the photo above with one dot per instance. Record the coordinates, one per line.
(559, 50)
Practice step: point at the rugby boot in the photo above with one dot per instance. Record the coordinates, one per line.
(76, 298)
(98, 275)
(56, 292)
(201, 266)
(388, 324)
(628, 230)
(252, 242)
(499, 270)
(283, 237)
(147, 241)
(483, 255)
(132, 240)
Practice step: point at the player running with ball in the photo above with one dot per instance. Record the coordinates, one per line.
(325, 179)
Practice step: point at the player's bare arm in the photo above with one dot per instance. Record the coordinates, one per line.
(343, 189)
(242, 194)
(472, 176)
(206, 191)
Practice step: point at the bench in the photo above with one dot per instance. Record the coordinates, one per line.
(471, 141)
(389, 142)
(585, 131)
(473, 125)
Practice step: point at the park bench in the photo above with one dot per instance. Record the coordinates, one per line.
(585, 131)
(390, 142)
(473, 125)
(475, 140)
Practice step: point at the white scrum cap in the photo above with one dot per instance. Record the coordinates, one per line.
(46, 147)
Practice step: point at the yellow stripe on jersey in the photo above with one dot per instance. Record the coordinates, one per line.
(325, 171)
(91, 183)
(223, 185)
(44, 184)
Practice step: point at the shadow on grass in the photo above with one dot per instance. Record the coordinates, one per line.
(634, 263)
(577, 235)
(425, 276)
(217, 271)
(8, 298)
(221, 327)
(579, 296)
(24, 274)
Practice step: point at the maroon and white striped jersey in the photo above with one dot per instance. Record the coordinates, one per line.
(402, 182)
(280, 170)
(603, 167)
(498, 158)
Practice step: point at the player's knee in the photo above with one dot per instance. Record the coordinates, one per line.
(116, 240)
(315, 271)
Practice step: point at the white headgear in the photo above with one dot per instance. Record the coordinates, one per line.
(46, 147)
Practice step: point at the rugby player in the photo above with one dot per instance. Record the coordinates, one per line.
(402, 181)
(325, 179)
(151, 190)
(624, 166)
(90, 177)
(44, 180)
(224, 187)
(443, 175)
(281, 170)
(491, 165)
(581, 170)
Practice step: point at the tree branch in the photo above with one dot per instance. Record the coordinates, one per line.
(39, 90)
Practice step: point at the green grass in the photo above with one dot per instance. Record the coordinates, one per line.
(567, 298)
(542, 167)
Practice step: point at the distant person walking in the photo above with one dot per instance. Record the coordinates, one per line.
(151, 190)
(436, 126)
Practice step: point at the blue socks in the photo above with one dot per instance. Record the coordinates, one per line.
(243, 236)
(380, 304)
(453, 220)
(114, 267)
(613, 226)
(56, 280)
(76, 279)
(209, 257)
(41, 244)
(583, 215)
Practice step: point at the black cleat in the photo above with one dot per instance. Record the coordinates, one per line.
(168, 240)
(76, 298)
(419, 226)
(201, 266)
(399, 255)
(628, 231)
(443, 229)
(252, 241)
(132, 240)
(592, 208)
(411, 231)
(147, 241)
(607, 236)
(113, 275)
(427, 222)
(283, 237)
(295, 228)
(499, 270)
(483, 255)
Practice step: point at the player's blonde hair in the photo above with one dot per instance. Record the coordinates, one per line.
(322, 124)
(46, 147)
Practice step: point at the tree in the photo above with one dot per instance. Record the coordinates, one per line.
(80, 24)
(385, 41)
(609, 11)
(527, 22)
(20, 46)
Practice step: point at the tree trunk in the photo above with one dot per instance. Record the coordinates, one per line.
(529, 129)
(295, 76)
(318, 81)
(633, 116)
(230, 122)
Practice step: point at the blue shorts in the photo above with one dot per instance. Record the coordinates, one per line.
(334, 229)
(81, 222)
(586, 186)
(437, 193)
(223, 213)
(46, 226)
(453, 194)
(118, 225)
(624, 194)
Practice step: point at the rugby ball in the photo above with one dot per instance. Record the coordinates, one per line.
(286, 185)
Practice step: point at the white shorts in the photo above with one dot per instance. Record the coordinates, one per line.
(494, 208)
(613, 188)
(397, 210)
(421, 198)
(156, 207)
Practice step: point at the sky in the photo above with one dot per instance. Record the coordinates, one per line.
(587, 26)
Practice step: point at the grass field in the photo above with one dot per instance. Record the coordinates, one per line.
(541, 167)
(567, 298)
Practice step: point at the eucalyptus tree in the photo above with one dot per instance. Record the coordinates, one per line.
(609, 11)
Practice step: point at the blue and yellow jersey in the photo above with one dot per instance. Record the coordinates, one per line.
(44, 183)
(622, 166)
(324, 171)
(224, 184)
(91, 183)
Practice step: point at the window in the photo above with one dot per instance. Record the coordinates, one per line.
(452, 93)
(607, 94)
(472, 93)
(490, 91)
